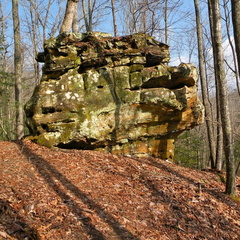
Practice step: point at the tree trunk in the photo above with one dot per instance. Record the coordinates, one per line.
(85, 15)
(75, 20)
(90, 15)
(228, 26)
(114, 18)
(219, 145)
(166, 21)
(69, 16)
(205, 97)
(44, 23)
(34, 41)
(236, 27)
(3, 57)
(143, 19)
(131, 18)
(18, 71)
(223, 96)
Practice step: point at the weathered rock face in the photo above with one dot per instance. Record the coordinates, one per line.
(112, 94)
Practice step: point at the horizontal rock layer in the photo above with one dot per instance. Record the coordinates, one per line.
(112, 94)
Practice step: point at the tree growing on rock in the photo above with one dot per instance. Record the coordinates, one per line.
(69, 16)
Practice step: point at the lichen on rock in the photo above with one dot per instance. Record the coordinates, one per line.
(112, 94)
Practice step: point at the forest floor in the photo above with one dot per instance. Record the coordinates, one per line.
(79, 195)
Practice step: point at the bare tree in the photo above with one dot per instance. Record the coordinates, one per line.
(88, 10)
(142, 16)
(3, 45)
(204, 88)
(219, 130)
(114, 18)
(236, 27)
(166, 21)
(17, 70)
(214, 8)
(33, 33)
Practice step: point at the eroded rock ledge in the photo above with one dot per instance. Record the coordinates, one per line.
(112, 94)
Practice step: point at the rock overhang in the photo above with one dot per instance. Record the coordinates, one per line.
(112, 94)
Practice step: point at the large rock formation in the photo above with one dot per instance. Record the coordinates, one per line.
(112, 94)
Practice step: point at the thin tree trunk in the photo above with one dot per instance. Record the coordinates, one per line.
(44, 25)
(223, 96)
(144, 16)
(235, 70)
(90, 12)
(3, 39)
(85, 15)
(204, 86)
(114, 18)
(237, 168)
(166, 21)
(219, 144)
(18, 71)
(34, 41)
(133, 19)
(236, 28)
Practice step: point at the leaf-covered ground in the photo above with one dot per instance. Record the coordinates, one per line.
(73, 194)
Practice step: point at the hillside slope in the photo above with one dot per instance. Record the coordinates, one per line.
(73, 194)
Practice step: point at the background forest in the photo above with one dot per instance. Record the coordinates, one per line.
(188, 26)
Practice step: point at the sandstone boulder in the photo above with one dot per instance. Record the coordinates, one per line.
(112, 94)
